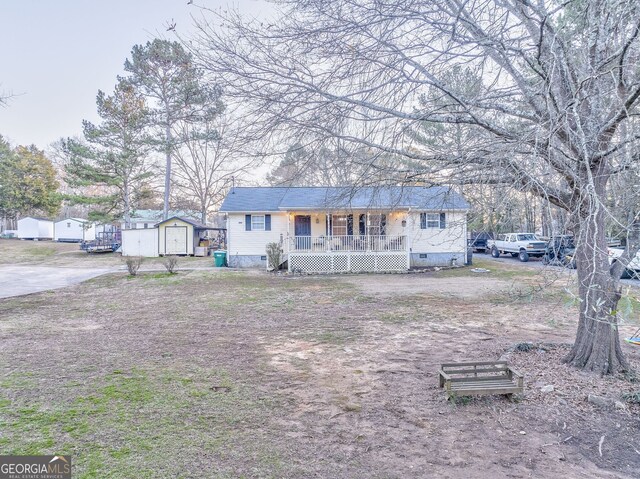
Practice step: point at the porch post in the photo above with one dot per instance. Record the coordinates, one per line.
(408, 233)
(328, 240)
(289, 248)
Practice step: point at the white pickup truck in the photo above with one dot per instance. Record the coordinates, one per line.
(520, 245)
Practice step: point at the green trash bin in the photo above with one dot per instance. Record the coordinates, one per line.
(220, 258)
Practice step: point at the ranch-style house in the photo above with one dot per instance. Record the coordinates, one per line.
(339, 229)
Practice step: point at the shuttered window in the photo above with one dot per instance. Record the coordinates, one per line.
(257, 222)
(433, 220)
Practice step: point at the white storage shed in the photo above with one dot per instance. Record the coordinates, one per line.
(35, 228)
(140, 242)
(74, 230)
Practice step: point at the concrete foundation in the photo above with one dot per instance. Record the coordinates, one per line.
(421, 260)
(247, 261)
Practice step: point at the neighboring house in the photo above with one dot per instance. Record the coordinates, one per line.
(74, 230)
(324, 229)
(142, 219)
(35, 228)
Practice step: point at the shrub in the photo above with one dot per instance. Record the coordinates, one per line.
(633, 397)
(170, 263)
(524, 347)
(133, 264)
(274, 256)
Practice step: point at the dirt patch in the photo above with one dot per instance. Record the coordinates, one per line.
(369, 395)
(431, 283)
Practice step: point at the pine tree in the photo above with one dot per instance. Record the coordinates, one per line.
(114, 155)
(167, 75)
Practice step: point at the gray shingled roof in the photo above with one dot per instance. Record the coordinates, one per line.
(248, 199)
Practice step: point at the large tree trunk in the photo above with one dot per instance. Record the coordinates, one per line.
(127, 206)
(597, 345)
(167, 174)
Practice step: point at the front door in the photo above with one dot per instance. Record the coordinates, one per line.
(302, 230)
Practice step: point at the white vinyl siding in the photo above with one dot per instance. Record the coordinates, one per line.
(450, 239)
(243, 242)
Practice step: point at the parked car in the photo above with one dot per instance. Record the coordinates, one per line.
(478, 241)
(631, 271)
(560, 251)
(614, 243)
(520, 245)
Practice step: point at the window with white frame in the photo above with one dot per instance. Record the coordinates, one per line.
(257, 222)
(339, 225)
(433, 220)
(376, 223)
(429, 220)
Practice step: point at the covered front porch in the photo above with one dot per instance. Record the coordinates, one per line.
(342, 241)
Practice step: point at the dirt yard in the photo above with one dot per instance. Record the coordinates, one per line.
(250, 375)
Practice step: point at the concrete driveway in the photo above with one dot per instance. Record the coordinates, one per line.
(20, 280)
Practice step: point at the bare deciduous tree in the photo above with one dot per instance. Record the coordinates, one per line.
(5, 97)
(326, 163)
(210, 156)
(552, 112)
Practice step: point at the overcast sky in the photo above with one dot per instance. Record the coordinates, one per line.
(56, 54)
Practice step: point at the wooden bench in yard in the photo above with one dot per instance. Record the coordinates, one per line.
(479, 378)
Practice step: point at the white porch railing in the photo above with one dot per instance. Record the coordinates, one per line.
(322, 244)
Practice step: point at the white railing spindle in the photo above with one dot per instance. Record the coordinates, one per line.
(331, 243)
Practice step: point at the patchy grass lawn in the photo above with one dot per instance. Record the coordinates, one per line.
(244, 374)
(51, 253)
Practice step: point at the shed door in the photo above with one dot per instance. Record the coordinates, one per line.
(175, 239)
